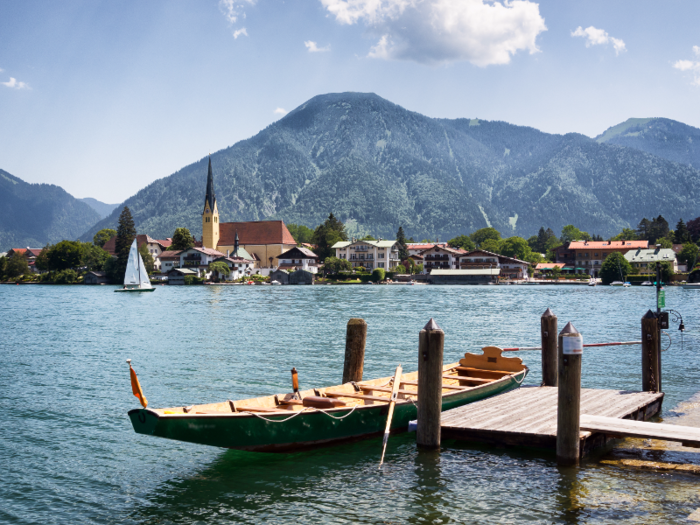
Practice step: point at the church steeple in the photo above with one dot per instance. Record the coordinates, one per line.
(210, 215)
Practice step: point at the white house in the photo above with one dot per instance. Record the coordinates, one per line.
(167, 260)
(508, 266)
(198, 259)
(239, 266)
(368, 254)
(441, 257)
(298, 258)
(644, 261)
(415, 248)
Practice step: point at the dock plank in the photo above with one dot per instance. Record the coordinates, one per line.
(689, 436)
(527, 416)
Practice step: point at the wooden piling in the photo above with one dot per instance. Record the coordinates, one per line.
(548, 333)
(355, 340)
(569, 396)
(431, 342)
(651, 362)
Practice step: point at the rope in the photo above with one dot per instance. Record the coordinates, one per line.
(521, 381)
(339, 417)
(298, 413)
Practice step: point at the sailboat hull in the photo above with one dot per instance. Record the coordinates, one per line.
(136, 290)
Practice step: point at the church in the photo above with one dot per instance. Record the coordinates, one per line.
(263, 240)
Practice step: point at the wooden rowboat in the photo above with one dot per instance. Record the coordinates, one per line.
(328, 415)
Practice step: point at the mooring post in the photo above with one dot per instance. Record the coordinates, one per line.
(651, 380)
(431, 343)
(355, 340)
(548, 334)
(569, 401)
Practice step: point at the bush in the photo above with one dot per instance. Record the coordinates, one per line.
(378, 275)
(193, 279)
(65, 277)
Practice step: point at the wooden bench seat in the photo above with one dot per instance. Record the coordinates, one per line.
(385, 389)
(480, 370)
(358, 396)
(448, 387)
(477, 380)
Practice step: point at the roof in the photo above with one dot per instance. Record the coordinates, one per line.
(234, 260)
(34, 252)
(479, 271)
(183, 271)
(501, 258)
(376, 244)
(607, 245)
(170, 254)
(423, 245)
(165, 243)
(546, 266)
(255, 232)
(304, 253)
(18, 251)
(141, 239)
(206, 251)
(445, 248)
(651, 255)
(210, 197)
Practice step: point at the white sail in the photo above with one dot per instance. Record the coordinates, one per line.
(131, 276)
(144, 280)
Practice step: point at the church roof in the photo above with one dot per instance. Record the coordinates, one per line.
(255, 232)
(210, 197)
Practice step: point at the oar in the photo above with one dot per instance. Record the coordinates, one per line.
(392, 402)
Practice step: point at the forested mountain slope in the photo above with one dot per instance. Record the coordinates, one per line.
(36, 214)
(377, 165)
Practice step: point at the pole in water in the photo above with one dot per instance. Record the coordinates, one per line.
(355, 341)
(548, 333)
(651, 380)
(390, 415)
(431, 342)
(569, 396)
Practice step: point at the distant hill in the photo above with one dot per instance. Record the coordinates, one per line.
(377, 166)
(101, 208)
(663, 137)
(36, 214)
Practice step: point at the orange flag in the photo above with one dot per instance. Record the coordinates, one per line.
(136, 388)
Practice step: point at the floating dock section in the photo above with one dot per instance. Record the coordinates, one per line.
(527, 416)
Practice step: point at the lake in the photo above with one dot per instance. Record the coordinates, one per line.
(68, 453)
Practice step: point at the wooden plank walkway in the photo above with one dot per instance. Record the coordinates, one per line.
(527, 416)
(688, 436)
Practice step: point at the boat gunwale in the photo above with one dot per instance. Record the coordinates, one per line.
(311, 410)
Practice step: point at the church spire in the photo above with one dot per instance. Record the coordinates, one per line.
(235, 244)
(210, 197)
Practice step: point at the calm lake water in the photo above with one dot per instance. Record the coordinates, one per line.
(68, 453)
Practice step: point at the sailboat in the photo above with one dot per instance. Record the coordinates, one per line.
(136, 277)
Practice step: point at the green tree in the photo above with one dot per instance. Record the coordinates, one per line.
(378, 274)
(65, 255)
(302, 234)
(463, 242)
(219, 268)
(418, 268)
(335, 265)
(126, 233)
(368, 238)
(571, 233)
(182, 240)
(401, 240)
(665, 242)
(111, 269)
(694, 229)
(516, 247)
(615, 268)
(326, 235)
(491, 245)
(3, 268)
(682, 235)
(102, 236)
(16, 266)
(41, 262)
(556, 272)
(484, 234)
(689, 255)
(659, 228)
(666, 271)
(147, 258)
(94, 257)
(627, 234)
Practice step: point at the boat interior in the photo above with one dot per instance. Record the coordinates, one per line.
(473, 371)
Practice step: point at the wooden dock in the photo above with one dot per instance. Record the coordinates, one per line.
(527, 416)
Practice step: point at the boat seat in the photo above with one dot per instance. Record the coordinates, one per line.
(478, 380)
(481, 370)
(358, 396)
(323, 402)
(448, 387)
(385, 389)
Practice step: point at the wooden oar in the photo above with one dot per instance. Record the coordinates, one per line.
(392, 403)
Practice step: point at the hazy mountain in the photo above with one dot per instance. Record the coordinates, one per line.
(659, 136)
(377, 166)
(36, 214)
(103, 209)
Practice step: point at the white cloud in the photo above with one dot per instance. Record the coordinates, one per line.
(233, 10)
(313, 47)
(690, 66)
(483, 32)
(597, 37)
(280, 111)
(14, 83)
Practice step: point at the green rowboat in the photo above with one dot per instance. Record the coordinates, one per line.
(329, 415)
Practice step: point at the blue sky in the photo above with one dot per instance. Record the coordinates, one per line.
(103, 98)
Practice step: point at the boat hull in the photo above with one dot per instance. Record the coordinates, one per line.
(268, 433)
(136, 290)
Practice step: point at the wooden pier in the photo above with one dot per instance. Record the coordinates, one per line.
(527, 417)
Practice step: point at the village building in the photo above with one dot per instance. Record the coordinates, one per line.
(415, 248)
(30, 253)
(545, 268)
(176, 276)
(438, 257)
(95, 278)
(470, 276)
(264, 241)
(154, 246)
(508, 267)
(168, 260)
(644, 261)
(589, 255)
(199, 259)
(298, 257)
(368, 254)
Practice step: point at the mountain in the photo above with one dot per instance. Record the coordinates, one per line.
(102, 209)
(662, 137)
(377, 166)
(36, 214)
